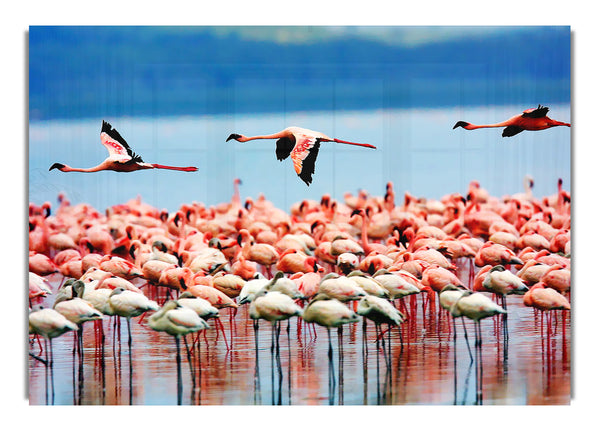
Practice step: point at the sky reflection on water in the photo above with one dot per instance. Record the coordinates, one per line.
(422, 371)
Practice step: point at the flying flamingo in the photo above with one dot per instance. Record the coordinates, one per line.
(530, 119)
(302, 144)
(121, 157)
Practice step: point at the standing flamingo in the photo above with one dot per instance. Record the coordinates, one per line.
(380, 311)
(544, 298)
(50, 324)
(476, 306)
(273, 306)
(128, 304)
(263, 254)
(78, 311)
(448, 296)
(251, 288)
(121, 157)
(530, 119)
(302, 144)
(177, 320)
(329, 312)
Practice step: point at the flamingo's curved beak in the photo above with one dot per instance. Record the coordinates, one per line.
(58, 166)
(233, 136)
(182, 284)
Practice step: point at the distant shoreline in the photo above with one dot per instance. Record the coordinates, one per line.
(373, 95)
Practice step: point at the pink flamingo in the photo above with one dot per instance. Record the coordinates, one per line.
(530, 119)
(302, 144)
(121, 157)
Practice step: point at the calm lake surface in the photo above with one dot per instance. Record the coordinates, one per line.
(530, 369)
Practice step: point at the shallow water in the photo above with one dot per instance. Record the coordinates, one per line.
(530, 369)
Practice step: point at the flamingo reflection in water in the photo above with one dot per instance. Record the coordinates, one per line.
(547, 300)
(448, 297)
(272, 306)
(128, 304)
(330, 313)
(502, 282)
(177, 321)
(49, 324)
(476, 306)
(78, 311)
(381, 311)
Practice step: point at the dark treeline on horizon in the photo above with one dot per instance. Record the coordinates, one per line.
(80, 72)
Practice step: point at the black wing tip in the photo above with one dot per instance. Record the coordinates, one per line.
(112, 132)
(58, 166)
(539, 112)
(306, 178)
(233, 136)
(460, 124)
(308, 164)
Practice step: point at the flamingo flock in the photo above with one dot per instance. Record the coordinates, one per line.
(327, 262)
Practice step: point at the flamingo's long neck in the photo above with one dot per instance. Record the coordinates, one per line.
(318, 232)
(273, 136)
(93, 169)
(246, 246)
(363, 233)
(236, 195)
(470, 126)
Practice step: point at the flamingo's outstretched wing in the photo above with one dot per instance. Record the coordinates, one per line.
(284, 147)
(117, 146)
(304, 156)
(511, 131)
(539, 112)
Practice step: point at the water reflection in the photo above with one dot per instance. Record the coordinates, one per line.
(428, 361)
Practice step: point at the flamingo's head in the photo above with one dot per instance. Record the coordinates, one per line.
(181, 280)
(462, 124)
(164, 215)
(358, 211)
(58, 166)
(233, 136)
